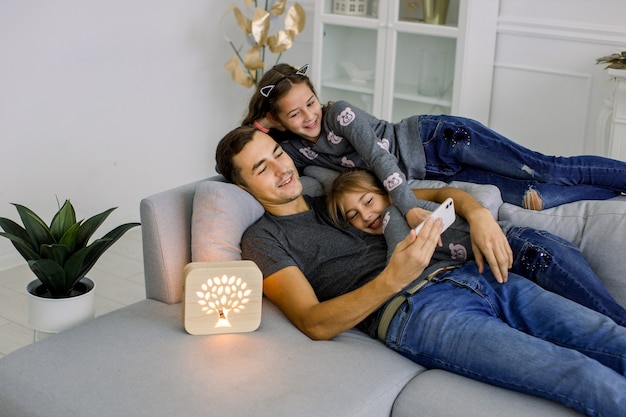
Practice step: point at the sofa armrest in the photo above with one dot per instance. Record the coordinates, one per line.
(166, 236)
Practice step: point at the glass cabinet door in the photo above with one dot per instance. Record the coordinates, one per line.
(423, 75)
(349, 65)
(394, 58)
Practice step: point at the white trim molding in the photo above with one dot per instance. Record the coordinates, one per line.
(561, 30)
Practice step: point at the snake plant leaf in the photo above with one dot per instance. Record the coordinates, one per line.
(23, 246)
(19, 238)
(81, 262)
(69, 238)
(56, 252)
(37, 230)
(64, 219)
(89, 226)
(51, 275)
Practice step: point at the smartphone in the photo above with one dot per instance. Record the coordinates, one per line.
(445, 212)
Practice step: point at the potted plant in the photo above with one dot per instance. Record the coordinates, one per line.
(60, 256)
(614, 61)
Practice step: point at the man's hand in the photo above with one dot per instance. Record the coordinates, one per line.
(412, 255)
(488, 241)
(490, 244)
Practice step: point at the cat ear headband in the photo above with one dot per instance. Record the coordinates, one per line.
(267, 90)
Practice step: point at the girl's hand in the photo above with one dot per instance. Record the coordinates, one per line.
(416, 215)
(421, 215)
(271, 123)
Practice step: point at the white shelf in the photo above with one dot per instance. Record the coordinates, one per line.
(403, 92)
(344, 83)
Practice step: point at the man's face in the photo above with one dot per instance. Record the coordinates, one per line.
(268, 173)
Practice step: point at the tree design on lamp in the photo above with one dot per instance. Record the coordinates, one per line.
(222, 297)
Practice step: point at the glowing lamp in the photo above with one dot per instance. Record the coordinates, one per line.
(222, 297)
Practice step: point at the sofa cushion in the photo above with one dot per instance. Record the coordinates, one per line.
(596, 227)
(221, 213)
(437, 393)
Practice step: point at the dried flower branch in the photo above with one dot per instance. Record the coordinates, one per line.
(615, 61)
(247, 69)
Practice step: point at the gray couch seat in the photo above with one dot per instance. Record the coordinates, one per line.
(138, 361)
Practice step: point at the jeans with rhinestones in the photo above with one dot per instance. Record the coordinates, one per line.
(462, 149)
(516, 336)
(558, 266)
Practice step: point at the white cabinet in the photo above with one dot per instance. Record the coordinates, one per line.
(617, 142)
(393, 65)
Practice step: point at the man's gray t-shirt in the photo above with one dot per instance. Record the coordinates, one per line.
(335, 261)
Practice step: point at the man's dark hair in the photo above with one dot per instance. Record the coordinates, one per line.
(228, 148)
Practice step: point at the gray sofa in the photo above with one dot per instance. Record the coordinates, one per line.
(139, 361)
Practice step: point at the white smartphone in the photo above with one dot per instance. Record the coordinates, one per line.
(445, 212)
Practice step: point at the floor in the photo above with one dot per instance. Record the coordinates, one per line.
(118, 275)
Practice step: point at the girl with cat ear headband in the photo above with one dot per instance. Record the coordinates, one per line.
(433, 147)
(271, 88)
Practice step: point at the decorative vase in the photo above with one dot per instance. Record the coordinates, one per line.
(435, 11)
(52, 315)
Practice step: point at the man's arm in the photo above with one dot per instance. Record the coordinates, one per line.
(488, 241)
(291, 292)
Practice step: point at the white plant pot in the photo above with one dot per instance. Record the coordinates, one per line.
(52, 315)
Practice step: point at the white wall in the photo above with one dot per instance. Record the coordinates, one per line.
(105, 102)
(547, 91)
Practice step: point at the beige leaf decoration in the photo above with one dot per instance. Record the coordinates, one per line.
(280, 42)
(237, 73)
(252, 60)
(249, 3)
(278, 8)
(295, 19)
(260, 25)
(242, 21)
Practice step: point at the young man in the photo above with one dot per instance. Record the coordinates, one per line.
(327, 280)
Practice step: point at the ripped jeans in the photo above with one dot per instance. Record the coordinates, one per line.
(460, 149)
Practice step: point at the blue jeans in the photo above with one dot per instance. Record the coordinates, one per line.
(557, 265)
(517, 336)
(462, 149)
